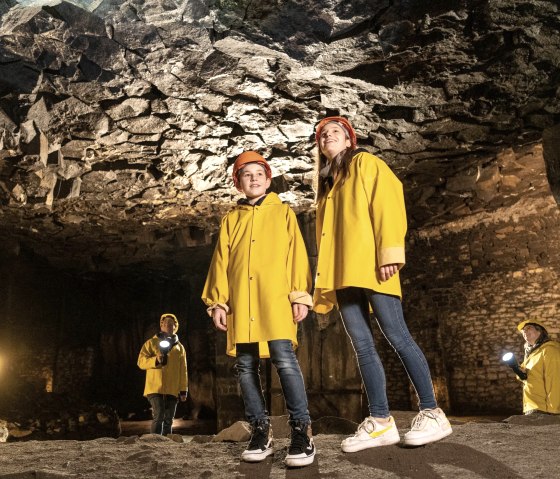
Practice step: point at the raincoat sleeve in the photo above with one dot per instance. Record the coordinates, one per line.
(147, 357)
(216, 289)
(297, 264)
(183, 373)
(551, 358)
(386, 208)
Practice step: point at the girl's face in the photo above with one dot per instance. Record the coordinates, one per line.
(333, 140)
(530, 334)
(253, 181)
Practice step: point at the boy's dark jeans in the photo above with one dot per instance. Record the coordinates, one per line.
(163, 411)
(284, 359)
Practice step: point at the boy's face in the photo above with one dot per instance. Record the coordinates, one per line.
(253, 181)
(168, 325)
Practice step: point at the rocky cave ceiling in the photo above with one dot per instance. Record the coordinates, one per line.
(120, 120)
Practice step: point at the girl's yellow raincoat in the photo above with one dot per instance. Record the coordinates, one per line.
(259, 268)
(361, 226)
(541, 389)
(169, 379)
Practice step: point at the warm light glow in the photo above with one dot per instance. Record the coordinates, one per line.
(1, 366)
(48, 375)
(507, 357)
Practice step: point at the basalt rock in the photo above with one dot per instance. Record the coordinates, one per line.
(121, 120)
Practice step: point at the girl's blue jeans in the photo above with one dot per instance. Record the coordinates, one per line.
(353, 304)
(284, 359)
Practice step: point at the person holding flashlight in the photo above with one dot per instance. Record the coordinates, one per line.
(164, 359)
(541, 389)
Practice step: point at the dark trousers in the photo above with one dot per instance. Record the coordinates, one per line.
(163, 411)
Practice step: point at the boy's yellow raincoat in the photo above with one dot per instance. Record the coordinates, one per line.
(259, 268)
(361, 226)
(169, 379)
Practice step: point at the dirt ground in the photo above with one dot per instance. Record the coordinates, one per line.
(516, 447)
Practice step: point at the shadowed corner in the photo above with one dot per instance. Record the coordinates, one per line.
(416, 463)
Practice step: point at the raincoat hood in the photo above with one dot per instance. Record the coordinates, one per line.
(175, 321)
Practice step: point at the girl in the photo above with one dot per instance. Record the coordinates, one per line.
(541, 389)
(361, 224)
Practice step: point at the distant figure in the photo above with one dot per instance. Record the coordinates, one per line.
(541, 389)
(164, 359)
(257, 290)
(361, 226)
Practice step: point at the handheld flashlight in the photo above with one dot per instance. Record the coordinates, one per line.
(509, 359)
(164, 347)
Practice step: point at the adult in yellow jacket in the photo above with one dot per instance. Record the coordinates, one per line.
(361, 224)
(166, 373)
(541, 389)
(257, 290)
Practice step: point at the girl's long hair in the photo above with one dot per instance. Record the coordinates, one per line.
(339, 167)
(543, 338)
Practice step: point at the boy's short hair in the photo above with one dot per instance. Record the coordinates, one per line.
(244, 159)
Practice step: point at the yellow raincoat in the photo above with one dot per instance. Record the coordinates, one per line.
(361, 226)
(169, 379)
(541, 389)
(259, 268)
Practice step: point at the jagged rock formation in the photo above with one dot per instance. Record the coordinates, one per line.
(120, 124)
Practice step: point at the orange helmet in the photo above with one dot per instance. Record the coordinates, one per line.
(343, 123)
(246, 158)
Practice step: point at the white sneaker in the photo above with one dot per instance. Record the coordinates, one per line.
(429, 425)
(372, 434)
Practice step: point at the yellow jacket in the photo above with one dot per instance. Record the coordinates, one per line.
(361, 226)
(259, 268)
(169, 379)
(541, 389)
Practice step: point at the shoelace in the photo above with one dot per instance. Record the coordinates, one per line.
(367, 425)
(299, 443)
(258, 439)
(422, 417)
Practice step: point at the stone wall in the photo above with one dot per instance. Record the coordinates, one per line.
(466, 285)
(469, 284)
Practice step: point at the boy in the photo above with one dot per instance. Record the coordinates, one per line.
(257, 290)
(166, 373)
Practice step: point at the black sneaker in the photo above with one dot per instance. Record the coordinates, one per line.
(302, 450)
(260, 445)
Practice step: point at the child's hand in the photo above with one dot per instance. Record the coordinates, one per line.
(219, 318)
(299, 312)
(385, 272)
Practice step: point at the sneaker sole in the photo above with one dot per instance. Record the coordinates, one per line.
(421, 441)
(257, 457)
(300, 461)
(380, 441)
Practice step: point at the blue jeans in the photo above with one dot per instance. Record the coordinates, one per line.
(284, 359)
(353, 305)
(163, 411)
